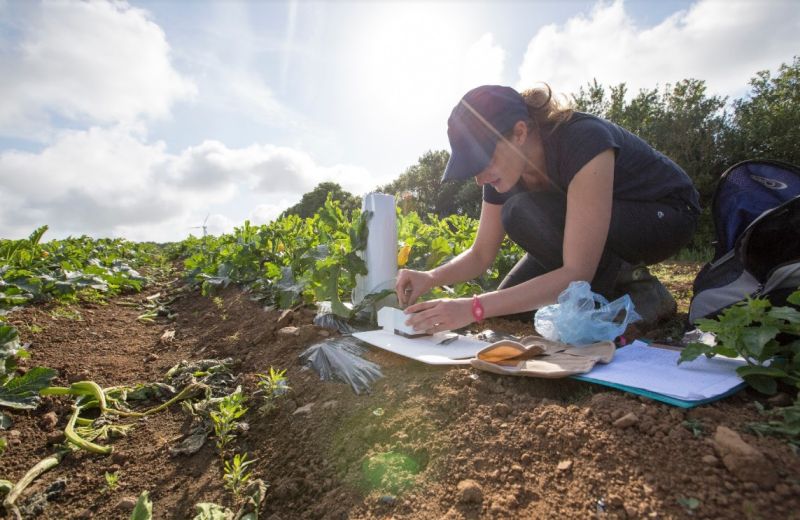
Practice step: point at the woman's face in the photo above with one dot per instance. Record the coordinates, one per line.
(505, 169)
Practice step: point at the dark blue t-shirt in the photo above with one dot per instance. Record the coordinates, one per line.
(640, 172)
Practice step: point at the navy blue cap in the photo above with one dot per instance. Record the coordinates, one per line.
(475, 125)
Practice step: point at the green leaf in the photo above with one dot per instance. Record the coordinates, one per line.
(689, 503)
(788, 314)
(762, 383)
(22, 392)
(5, 421)
(794, 298)
(209, 511)
(143, 509)
(755, 338)
(693, 351)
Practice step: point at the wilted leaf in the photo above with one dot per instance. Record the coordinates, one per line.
(23, 392)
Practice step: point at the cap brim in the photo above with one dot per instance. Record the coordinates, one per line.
(467, 160)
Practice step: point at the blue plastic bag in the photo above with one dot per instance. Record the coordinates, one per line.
(581, 316)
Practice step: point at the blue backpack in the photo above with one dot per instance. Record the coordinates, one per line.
(756, 212)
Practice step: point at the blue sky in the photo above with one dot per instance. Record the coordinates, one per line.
(138, 119)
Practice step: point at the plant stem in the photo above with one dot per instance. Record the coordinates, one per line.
(17, 489)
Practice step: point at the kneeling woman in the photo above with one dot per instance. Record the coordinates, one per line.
(585, 198)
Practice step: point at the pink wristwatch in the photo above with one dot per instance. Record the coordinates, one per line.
(477, 309)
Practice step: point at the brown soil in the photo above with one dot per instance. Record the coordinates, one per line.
(458, 443)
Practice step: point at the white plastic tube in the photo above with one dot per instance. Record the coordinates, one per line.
(381, 252)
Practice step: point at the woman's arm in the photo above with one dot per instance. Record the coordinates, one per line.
(479, 257)
(468, 265)
(588, 218)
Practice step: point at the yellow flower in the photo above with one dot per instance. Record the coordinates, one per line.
(402, 255)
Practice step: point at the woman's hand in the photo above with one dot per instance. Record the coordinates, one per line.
(439, 315)
(412, 284)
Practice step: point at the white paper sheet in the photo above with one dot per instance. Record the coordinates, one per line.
(656, 369)
(425, 349)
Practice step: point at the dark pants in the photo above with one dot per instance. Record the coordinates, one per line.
(640, 233)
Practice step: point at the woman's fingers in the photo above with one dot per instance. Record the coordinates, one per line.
(422, 306)
(425, 315)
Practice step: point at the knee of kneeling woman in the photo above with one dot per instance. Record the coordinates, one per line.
(532, 211)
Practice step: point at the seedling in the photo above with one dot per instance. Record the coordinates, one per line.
(695, 426)
(236, 473)
(231, 408)
(274, 384)
(112, 481)
(65, 313)
(689, 503)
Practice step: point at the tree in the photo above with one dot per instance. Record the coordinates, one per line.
(681, 121)
(766, 124)
(315, 199)
(421, 189)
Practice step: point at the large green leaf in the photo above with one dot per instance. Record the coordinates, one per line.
(755, 338)
(693, 351)
(22, 392)
(143, 509)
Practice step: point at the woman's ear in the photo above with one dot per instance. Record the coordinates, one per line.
(520, 132)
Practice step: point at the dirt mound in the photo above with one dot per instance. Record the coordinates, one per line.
(425, 442)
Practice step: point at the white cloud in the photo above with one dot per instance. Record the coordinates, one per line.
(264, 213)
(111, 182)
(97, 62)
(722, 42)
(483, 63)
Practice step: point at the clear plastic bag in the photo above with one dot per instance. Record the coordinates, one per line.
(340, 358)
(581, 316)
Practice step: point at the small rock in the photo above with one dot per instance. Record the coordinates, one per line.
(387, 500)
(502, 409)
(126, 503)
(329, 405)
(151, 357)
(286, 317)
(564, 465)
(48, 421)
(55, 437)
(168, 337)
(746, 462)
(710, 460)
(289, 331)
(119, 457)
(469, 492)
(304, 410)
(324, 333)
(626, 420)
(526, 458)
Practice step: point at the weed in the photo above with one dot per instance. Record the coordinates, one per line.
(782, 422)
(695, 426)
(219, 302)
(765, 336)
(35, 329)
(3, 444)
(689, 503)
(91, 296)
(65, 312)
(236, 473)
(112, 482)
(274, 385)
(225, 419)
(233, 337)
